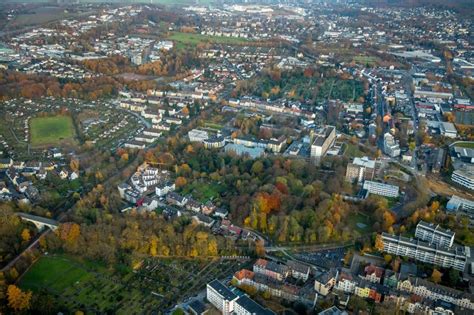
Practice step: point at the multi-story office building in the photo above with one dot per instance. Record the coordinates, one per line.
(323, 141)
(381, 189)
(434, 234)
(454, 257)
(464, 176)
(221, 297)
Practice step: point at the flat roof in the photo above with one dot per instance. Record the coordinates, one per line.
(224, 291)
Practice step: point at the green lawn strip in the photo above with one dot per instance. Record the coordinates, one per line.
(468, 145)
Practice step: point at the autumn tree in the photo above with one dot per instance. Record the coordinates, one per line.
(25, 235)
(17, 299)
(436, 276)
(260, 248)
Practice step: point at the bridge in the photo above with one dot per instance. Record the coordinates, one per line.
(39, 222)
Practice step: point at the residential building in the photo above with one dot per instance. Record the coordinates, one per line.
(323, 141)
(381, 189)
(346, 282)
(325, 281)
(221, 297)
(435, 292)
(198, 135)
(460, 204)
(390, 145)
(434, 234)
(246, 306)
(360, 169)
(373, 273)
(203, 220)
(333, 310)
(454, 257)
(298, 270)
(271, 269)
(464, 176)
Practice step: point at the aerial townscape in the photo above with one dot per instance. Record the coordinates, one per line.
(237, 157)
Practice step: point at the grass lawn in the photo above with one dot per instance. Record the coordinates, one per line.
(55, 272)
(365, 59)
(469, 145)
(360, 223)
(50, 130)
(184, 39)
(203, 191)
(351, 150)
(213, 125)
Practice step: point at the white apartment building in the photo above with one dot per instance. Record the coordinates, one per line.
(381, 189)
(390, 145)
(464, 176)
(198, 135)
(460, 204)
(454, 257)
(323, 141)
(434, 234)
(221, 297)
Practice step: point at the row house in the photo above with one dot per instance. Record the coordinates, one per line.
(432, 291)
(271, 269)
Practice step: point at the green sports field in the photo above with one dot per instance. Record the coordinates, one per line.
(50, 130)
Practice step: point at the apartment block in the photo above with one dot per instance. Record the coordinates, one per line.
(454, 257)
(434, 234)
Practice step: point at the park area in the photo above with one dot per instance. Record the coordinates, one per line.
(155, 286)
(51, 130)
(191, 39)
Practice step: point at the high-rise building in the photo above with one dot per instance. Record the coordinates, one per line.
(453, 257)
(323, 141)
(221, 297)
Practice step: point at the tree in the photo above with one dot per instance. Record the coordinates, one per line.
(25, 235)
(436, 276)
(74, 165)
(17, 299)
(260, 248)
(181, 181)
(379, 242)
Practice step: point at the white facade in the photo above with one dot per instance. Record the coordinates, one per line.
(381, 189)
(197, 135)
(432, 233)
(464, 177)
(221, 297)
(390, 145)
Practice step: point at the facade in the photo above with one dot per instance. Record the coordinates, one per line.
(360, 169)
(323, 141)
(464, 176)
(390, 145)
(325, 281)
(434, 234)
(460, 204)
(221, 297)
(299, 270)
(198, 135)
(381, 189)
(271, 269)
(435, 292)
(454, 257)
